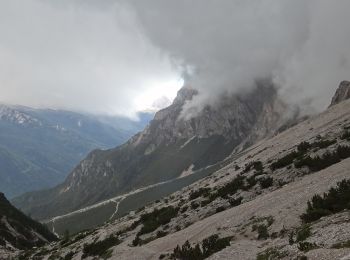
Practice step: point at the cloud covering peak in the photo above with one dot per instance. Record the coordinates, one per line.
(226, 45)
(111, 56)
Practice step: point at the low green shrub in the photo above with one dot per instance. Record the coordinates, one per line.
(345, 244)
(202, 192)
(194, 205)
(219, 209)
(257, 165)
(303, 233)
(69, 256)
(100, 248)
(232, 187)
(323, 143)
(266, 182)
(286, 160)
(271, 254)
(306, 246)
(161, 233)
(345, 135)
(304, 147)
(158, 217)
(184, 209)
(235, 202)
(262, 232)
(251, 181)
(333, 201)
(205, 202)
(208, 247)
(318, 163)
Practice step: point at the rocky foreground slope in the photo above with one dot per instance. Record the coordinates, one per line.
(260, 206)
(168, 148)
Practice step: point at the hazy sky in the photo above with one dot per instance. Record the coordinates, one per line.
(119, 56)
(80, 56)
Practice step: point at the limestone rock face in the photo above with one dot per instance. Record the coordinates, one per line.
(342, 93)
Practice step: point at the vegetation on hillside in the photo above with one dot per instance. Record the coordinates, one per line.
(333, 201)
(100, 248)
(153, 220)
(318, 163)
(208, 247)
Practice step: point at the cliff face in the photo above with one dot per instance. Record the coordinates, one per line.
(342, 93)
(167, 147)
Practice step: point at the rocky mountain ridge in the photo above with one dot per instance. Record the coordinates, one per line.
(342, 93)
(256, 207)
(166, 148)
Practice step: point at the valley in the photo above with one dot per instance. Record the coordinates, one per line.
(111, 209)
(39, 147)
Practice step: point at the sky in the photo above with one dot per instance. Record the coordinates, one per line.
(122, 56)
(80, 56)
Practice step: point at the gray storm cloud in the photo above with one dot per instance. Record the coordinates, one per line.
(77, 55)
(304, 46)
(97, 56)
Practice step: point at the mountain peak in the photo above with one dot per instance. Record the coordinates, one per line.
(342, 93)
(184, 94)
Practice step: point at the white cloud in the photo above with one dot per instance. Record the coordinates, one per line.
(229, 44)
(77, 55)
(117, 55)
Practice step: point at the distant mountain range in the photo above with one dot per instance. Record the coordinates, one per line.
(39, 147)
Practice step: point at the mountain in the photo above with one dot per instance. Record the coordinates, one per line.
(39, 147)
(19, 232)
(285, 197)
(169, 147)
(342, 93)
